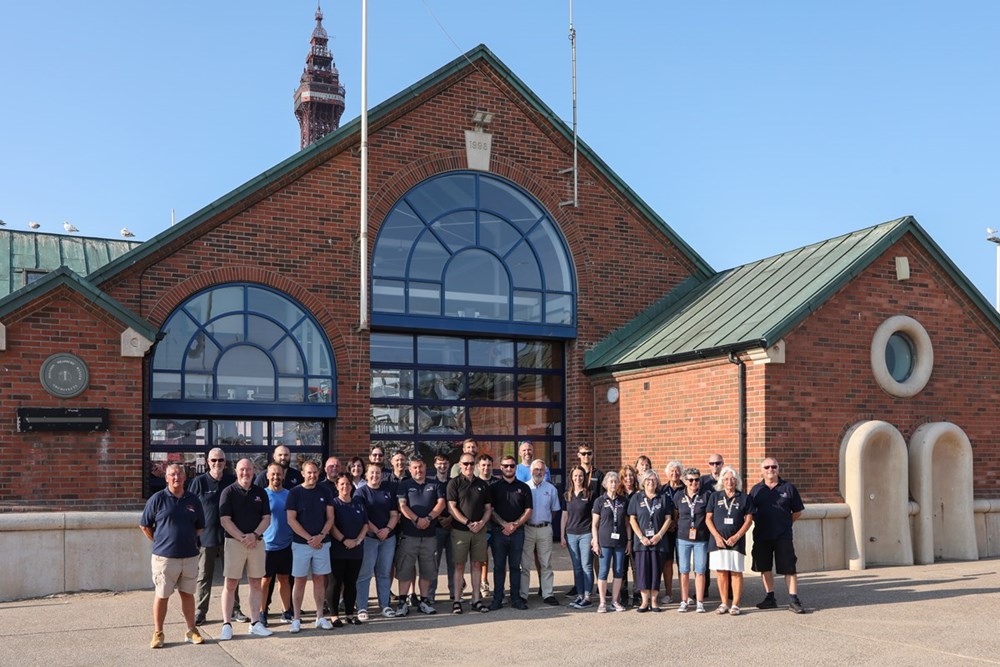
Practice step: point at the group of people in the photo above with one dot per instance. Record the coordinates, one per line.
(343, 529)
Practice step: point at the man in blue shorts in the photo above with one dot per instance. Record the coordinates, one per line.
(172, 520)
(778, 506)
(310, 516)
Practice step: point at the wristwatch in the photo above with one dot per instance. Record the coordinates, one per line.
(258, 536)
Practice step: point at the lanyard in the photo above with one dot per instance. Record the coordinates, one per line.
(614, 511)
(729, 505)
(648, 504)
(692, 506)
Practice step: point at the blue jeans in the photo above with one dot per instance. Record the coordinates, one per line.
(607, 553)
(684, 551)
(444, 549)
(581, 556)
(507, 549)
(378, 562)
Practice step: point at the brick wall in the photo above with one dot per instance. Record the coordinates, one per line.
(53, 470)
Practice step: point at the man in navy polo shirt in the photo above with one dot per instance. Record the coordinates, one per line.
(245, 513)
(208, 486)
(283, 457)
(172, 520)
(778, 506)
(310, 516)
(421, 502)
(442, 466)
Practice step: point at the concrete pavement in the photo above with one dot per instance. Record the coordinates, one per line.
(943, 614)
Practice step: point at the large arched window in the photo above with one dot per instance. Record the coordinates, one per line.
(471, 252)
(242, 350)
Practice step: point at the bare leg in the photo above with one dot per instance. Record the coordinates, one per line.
(476, 573)
(319, 593)
(285, 591)
(159, 612)
(255, 598)
(616, 588)
(768, 579)
(299, 592)
(668, 578)
(459, 580)
(685, 587)
(699, 587)
(187, 609)
(265, 584)
(645, 599)
(722, 577)
(228, 595)
(737, 579)
(425, 588)
(793, 584)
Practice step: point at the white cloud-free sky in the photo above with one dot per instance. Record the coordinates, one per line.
(750, 127)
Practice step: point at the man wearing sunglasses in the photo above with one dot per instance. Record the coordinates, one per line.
(208, 486)
(778, 506)
(471, 508)
(512, 504)
(708, 480)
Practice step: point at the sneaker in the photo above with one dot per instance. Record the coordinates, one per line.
(227, 632)
(192, 636)
(388, 612)
(618, 606)
(286, 616)
(586, 603)
(496, 605)
(796, 606)
(199, 619)
(240, 616)
(667, 599)
(571, 593)
(551, 600)
(157, 640)
(700, 608)
(602, 608)
(768, 603)
(260, 630)
(426, 607)
(683, 606)
(296, 626)
(403, 608)
(576, 604)
(323, 623)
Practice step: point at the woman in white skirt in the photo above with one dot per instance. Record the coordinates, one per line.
(728, 517)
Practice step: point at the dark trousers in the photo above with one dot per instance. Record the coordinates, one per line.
(344, 583)
(507, 555)
(207, 556)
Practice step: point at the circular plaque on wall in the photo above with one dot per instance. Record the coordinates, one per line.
(64, 375)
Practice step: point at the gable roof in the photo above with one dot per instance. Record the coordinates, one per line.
(754, 305)
(316, 153)
(64, 276)
(26, 252)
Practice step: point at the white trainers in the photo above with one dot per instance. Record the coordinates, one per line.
(296, 626)
(260, 630)
(700, 608)
(388, 612)
(426, 607)
(227, 632)
(323, 623)
(683, 606)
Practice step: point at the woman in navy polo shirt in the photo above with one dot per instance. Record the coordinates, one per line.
(577, 537)
(730, 513)
(629, 477)
(692, 538)
(350, 525)
(610, 538)
(650, 515)
(673, 476)
(382, 508)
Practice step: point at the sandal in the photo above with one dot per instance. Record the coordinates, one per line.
(480, 607)
(734, 611)
(722, 609)
(456, 607)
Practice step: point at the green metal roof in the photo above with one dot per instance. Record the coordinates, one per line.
(64, 276)
(754, 305)
(23, 253)
(314, 154)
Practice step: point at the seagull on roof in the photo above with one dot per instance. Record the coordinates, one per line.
(69, 228)
(34, 225)
(3, 223)
(126, 233)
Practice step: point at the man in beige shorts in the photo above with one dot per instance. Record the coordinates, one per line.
(172, 520)
(245, 513)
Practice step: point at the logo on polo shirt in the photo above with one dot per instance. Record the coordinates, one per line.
(190, 508)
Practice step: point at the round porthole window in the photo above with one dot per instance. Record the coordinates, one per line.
(902, 356)
(899, 357)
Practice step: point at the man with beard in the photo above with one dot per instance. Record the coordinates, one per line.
(512, 503)
(283, 457)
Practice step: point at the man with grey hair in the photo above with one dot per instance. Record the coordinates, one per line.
(245, 513)
(208, 486)
(538, 534)
(778, 506)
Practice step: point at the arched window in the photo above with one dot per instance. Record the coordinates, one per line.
(243, 350)
(472, 252)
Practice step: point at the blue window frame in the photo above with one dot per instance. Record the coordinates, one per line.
(243, 350)
(471, 252)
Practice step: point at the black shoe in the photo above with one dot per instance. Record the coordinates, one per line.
(796, 606)
(767, 603)
(240, 616)
(199, 619)
(571, 593)
(636, 599)
(496, 605)
(519, 604)
(551, 600)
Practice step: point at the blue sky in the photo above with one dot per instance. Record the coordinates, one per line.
(750, 127)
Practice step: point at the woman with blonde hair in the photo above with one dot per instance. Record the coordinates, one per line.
(610, 539)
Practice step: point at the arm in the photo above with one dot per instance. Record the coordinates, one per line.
(633, 523)
(716, 535)
(795, 516)
(477, 526)
(147, 531)
(456, 513)
(595, 544)
(747, 521)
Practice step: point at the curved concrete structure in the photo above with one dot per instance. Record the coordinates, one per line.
(873, 482)
(941, 483)
(923, 356)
